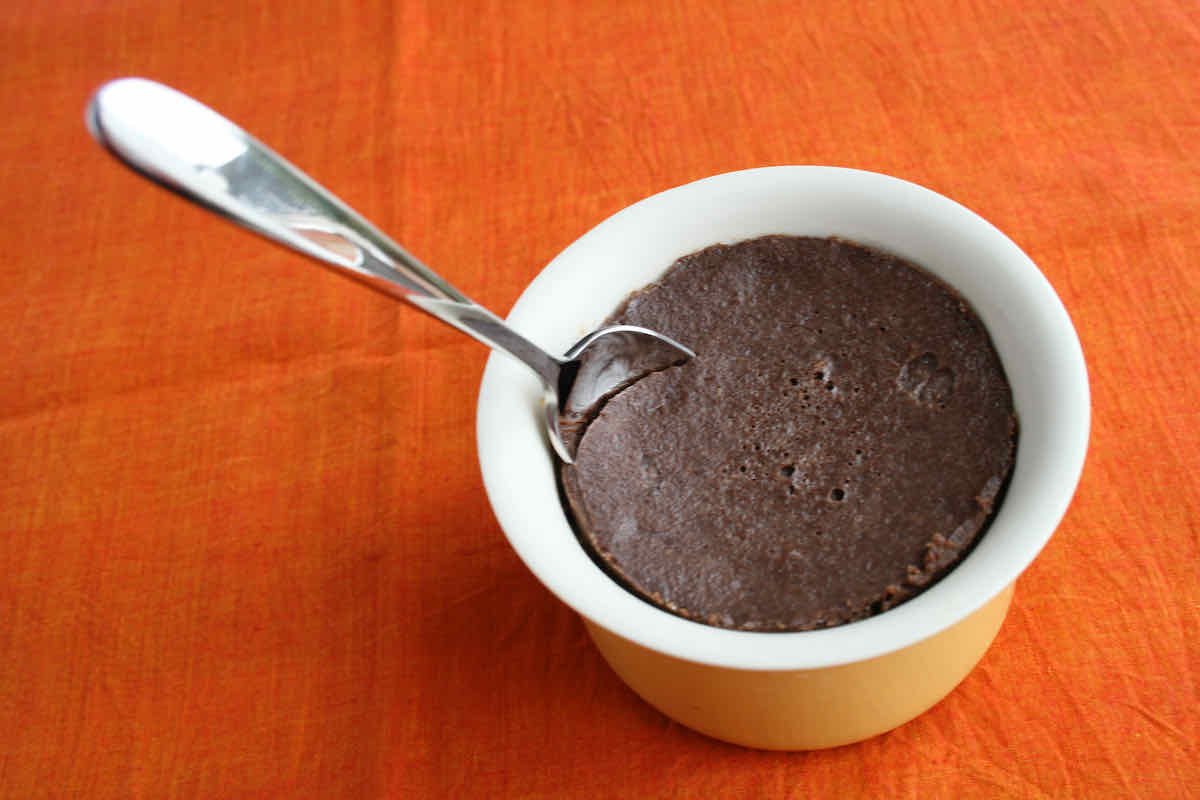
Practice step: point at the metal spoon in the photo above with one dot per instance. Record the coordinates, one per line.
(187, 147)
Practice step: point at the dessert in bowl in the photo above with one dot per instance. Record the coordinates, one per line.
(813, 688)
(838, 443)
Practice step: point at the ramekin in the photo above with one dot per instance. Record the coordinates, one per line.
(810, 689)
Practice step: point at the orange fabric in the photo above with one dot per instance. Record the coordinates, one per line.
(244, 546)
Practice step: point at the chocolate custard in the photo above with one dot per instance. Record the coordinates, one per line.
(838, 443)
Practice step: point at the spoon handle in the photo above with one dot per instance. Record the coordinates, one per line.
(187, 147)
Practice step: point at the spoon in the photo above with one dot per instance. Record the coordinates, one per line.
(187, 147)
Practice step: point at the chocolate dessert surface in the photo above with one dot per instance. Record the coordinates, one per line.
(838, 443)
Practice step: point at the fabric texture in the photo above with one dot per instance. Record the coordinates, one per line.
(244, 546)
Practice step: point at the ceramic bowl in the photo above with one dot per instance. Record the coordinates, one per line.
(809, 689)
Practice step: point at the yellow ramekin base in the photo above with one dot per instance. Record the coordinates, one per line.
(806, 709)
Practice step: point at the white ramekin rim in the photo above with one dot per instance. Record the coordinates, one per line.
(1027, 321)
